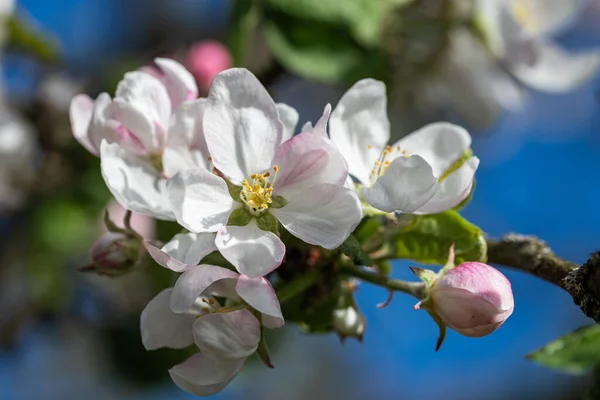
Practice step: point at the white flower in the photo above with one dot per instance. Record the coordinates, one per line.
(150, 131)
(298, 183)
(407, 176)
(519, 33)
(226, 333)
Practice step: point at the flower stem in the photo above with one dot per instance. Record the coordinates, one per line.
(297, 285)
(412, 288)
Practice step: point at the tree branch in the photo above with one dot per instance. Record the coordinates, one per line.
(529, 254)
(532, 255)
(413, 288)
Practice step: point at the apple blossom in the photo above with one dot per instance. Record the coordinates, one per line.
(151, 130)
(349, 322)
(226, 333)
(408, 176)
(261, 182)
(519, 33)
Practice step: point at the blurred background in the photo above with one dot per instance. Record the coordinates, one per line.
(70, 335)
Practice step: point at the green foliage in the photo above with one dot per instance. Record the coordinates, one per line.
(319, 50)
(574, 353)
(427, 240)
(244, 22)
(352, 248)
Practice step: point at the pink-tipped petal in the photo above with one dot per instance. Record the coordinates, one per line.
(259, 294)
(196, 281)
(180, 84)
(184, 251)
(202, 376)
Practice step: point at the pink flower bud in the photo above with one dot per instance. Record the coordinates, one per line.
(473, 298)
(114, 253)
(205, 60)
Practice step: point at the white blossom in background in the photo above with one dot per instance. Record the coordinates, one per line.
(151, 130)
(226, 333)
(407, 176)
(298, 183)
(19, 153)
(520, 33)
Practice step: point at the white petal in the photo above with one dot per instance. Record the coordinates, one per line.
(202, 376)
(306, 160)
(181, 85)
(184, 251)
(161, 327)
(307, 127)
(323, 215)
(252, 251)
(80, 114)
(241, 125)
(557, 70)
(200, 200)
(321, 125)
(453, 189)
(539, 17)
(195, 282)
(406, 186)
(134, 183)
(187, 126)
(440, 144)
(143, 106)
(186, 144)
(359, 121)
(259, 294)
(289, 117)
(227, 336)
(103, 125)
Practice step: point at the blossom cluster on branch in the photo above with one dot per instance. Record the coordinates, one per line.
(229, 169)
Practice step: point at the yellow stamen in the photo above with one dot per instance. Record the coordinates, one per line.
(257, 194)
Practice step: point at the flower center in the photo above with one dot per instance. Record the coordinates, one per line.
(388, 155)
(257, 194)
(523, 14)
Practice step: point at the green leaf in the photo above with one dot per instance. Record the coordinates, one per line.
(239, 217)
(234, 191)
(25, 38)
(244, 22)
(574, 353)
(363, 18)
(427, 241)
(318, 50)
(351, 248)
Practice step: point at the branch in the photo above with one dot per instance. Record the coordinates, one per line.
(413, 288)
(532, 255)
(529, 254)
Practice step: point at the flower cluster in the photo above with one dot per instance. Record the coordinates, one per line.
(229, 169)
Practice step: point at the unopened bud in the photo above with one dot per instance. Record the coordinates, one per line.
(114, 253)
(206, 59)
(472, 298)
(348, 322)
